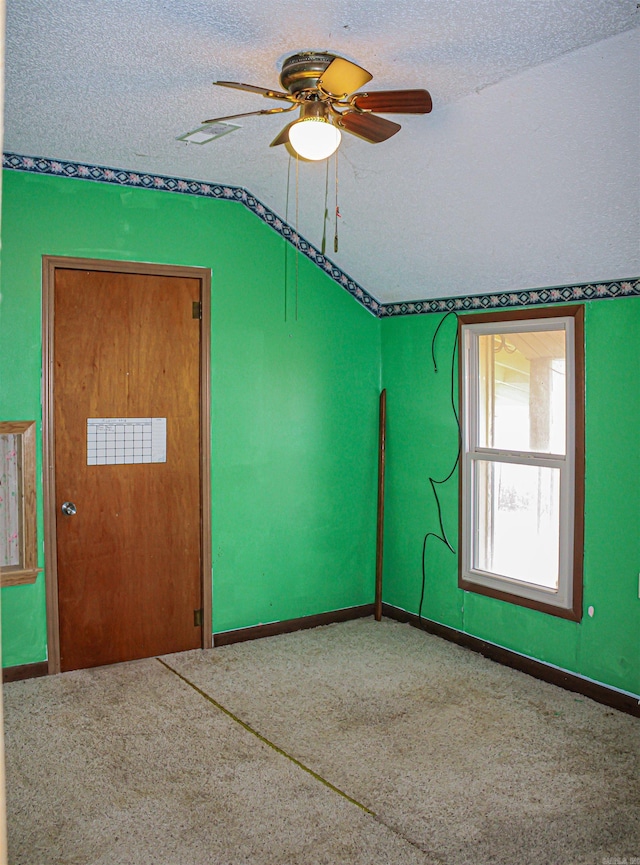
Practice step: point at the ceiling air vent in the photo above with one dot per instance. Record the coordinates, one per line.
(205, 134)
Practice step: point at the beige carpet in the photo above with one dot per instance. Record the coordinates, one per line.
(377, 743)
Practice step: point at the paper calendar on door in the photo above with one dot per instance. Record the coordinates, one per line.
(122, 441)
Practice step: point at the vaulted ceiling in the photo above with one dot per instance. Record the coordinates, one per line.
(424, 214)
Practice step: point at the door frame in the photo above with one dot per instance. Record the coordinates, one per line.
(50, 263)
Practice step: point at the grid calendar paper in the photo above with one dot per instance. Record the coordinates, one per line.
(126, 440)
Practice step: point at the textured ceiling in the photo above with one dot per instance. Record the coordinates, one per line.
(114, 82)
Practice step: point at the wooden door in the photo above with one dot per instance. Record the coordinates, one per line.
(125, 346)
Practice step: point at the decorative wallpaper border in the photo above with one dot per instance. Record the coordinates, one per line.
(120, 177)
(528, 297)
(496, 300)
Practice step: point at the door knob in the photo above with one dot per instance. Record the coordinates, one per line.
(68, 508)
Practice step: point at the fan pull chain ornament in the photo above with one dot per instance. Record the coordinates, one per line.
(337, 214)
(324, 87)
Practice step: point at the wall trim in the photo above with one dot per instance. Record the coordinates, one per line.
(494, 300)
(288, 626)
(621, 700)
(25, 671)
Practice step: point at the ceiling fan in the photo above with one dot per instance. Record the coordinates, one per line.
(323, 86)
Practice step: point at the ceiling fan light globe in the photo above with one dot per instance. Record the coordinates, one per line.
(314, 138)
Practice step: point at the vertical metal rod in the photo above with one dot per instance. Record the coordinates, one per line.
(380, 532)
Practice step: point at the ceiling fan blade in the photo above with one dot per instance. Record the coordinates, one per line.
(251, 88)
(283, 137)
(368, 126)
(342, 77)
(249, 114)
(394, 101)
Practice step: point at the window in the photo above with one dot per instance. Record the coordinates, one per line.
(522, 470)
(18, 551)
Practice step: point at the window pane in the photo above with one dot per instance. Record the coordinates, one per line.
(522, 391)
(517, 521)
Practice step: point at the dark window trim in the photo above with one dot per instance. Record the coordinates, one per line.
(577, 313)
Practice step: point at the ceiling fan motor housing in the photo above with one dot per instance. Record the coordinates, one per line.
(303, 71)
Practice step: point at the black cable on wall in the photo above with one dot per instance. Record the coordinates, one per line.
(441, 534)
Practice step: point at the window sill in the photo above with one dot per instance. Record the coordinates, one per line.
(573, 613)
(19, 578)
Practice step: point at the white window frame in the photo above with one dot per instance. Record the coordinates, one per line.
(566, 600)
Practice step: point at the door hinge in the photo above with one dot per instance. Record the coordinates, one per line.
(197, 618)
(196, 309)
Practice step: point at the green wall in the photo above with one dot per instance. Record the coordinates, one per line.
(422, 435)
(294, 400)
(294, 430)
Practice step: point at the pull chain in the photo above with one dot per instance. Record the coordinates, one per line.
(335, 237)
(323, 247)
(297, 232)
(286, 245)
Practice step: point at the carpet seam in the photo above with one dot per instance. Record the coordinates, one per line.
(298, 763)
(266, 741)
(434, 857)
